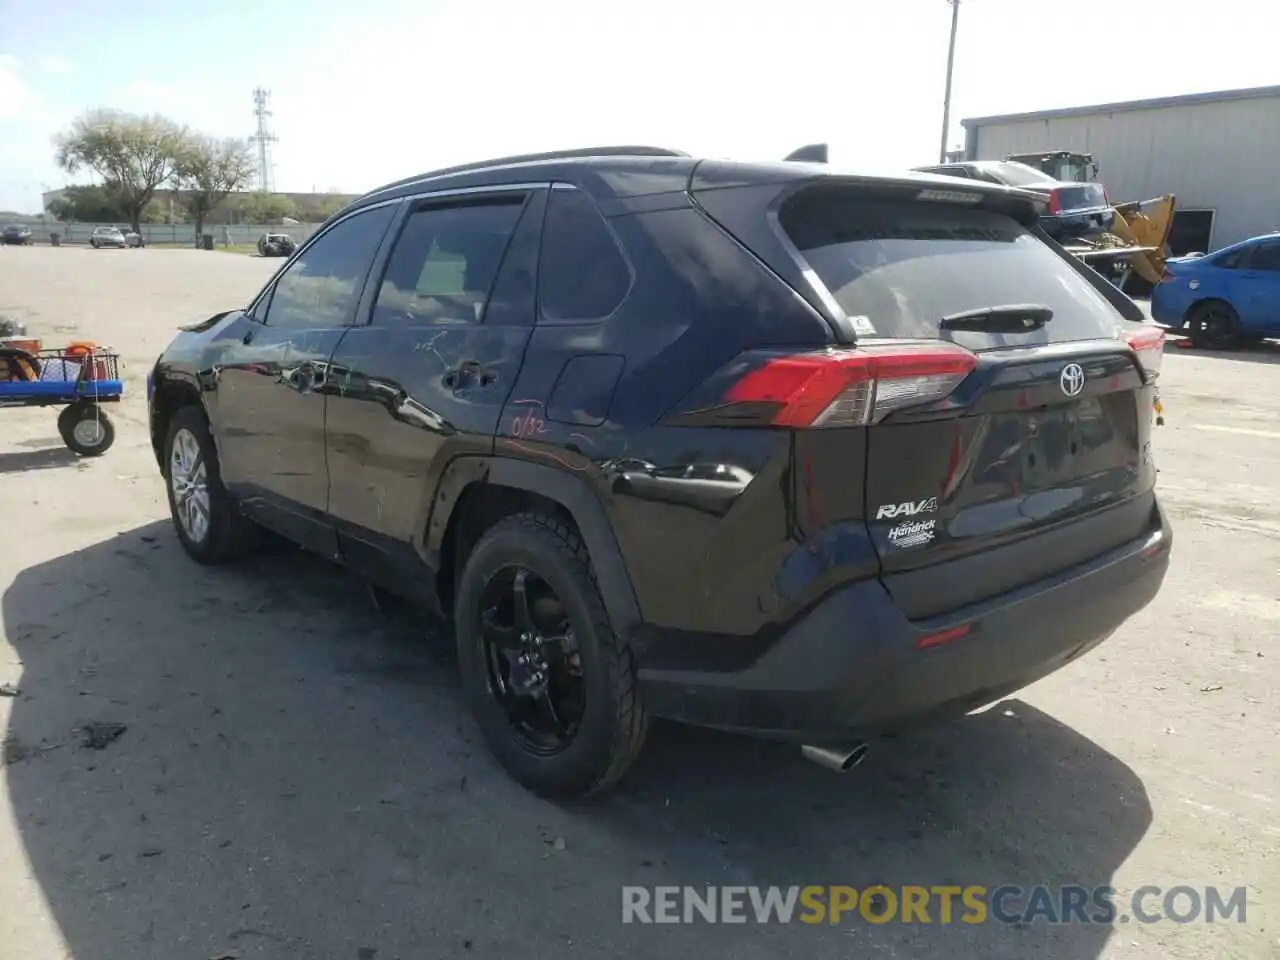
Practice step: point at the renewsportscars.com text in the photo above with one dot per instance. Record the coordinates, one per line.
(974, 904)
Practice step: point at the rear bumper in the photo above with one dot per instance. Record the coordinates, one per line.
(853, 667)
(1168, 308)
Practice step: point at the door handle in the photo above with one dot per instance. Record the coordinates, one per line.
(461, 374)
(467, 371)
(305, 377)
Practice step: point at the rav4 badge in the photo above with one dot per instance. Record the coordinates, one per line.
(909, 509)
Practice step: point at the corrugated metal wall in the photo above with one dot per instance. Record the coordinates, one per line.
(1219, 155)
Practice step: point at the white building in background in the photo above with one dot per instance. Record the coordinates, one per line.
(1217, 153)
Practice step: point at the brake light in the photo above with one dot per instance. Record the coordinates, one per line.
(841, 388)
(1147, 343)
(1055, 202)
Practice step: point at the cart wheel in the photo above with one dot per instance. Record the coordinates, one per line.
(86, 429)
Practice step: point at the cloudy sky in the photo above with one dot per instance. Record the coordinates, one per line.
(367, 92)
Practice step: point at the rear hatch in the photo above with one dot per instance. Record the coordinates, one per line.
(1003, 404)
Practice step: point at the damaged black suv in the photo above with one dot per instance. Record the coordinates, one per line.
(764, 447)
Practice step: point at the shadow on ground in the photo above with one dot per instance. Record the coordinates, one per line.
(1266, 351)
(297, 779)
(47, 458)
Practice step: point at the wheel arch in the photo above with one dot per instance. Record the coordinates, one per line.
(469, 480)
(1211, 298)
(171, 393)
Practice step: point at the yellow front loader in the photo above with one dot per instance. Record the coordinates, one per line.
(1137, 241)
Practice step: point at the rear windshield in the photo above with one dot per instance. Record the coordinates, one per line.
(897, 268)
(1017, 174)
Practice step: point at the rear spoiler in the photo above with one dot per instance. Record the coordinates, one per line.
(812, 153)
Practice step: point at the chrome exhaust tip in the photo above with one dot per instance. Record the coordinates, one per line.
(841, 759)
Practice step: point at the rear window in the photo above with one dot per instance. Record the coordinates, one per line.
(1017, 174)
(897, 268)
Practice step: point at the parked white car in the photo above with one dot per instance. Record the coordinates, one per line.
(107, 237)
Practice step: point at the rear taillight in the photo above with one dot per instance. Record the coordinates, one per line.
(843, 388)
(1055, 202)
(1147, 343)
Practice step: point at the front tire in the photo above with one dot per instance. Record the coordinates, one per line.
(529, 617)
(207, 519)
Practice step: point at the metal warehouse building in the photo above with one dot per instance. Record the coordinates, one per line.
(1215, 152)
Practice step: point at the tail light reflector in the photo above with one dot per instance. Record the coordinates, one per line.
(942, 637)
(841, 388)
(1147, 342)
(1055, 202)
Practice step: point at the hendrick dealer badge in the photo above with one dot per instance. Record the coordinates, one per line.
(913, 533)
(910, 532)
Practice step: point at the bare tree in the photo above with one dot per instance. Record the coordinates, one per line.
(136, 154)
(207, 170)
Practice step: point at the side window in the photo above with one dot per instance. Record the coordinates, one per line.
(445, 261)
(1234, 260)
(583, 274)
(1266, 256)
(322, 287)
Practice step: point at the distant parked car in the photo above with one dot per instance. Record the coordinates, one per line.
(132, 239)
(107, 237)
(276, 245)
(1225, 298)
(18, 235)
(1076, 210)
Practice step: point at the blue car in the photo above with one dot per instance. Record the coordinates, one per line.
(1224, 298)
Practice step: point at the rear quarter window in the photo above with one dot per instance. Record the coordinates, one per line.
(897, 268)
(583, 274)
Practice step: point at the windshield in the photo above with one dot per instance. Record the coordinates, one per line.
(897, 268)
(1072, 171)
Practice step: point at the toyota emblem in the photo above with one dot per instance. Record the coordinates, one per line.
(1072, 379)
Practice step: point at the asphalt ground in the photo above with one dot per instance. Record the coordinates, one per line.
(297, 777)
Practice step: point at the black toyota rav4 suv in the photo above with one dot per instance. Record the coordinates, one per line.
(757, 446)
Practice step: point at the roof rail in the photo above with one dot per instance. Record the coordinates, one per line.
(578, 152)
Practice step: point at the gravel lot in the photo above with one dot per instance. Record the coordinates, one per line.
(298, 778)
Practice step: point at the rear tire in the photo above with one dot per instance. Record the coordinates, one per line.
(609, 721)
(86, 429)
(193, 480)
(1213, 325)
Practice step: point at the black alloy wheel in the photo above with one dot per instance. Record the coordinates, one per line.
(551, 684)
(533, 669)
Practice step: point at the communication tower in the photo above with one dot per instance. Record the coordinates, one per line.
(263, 138)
